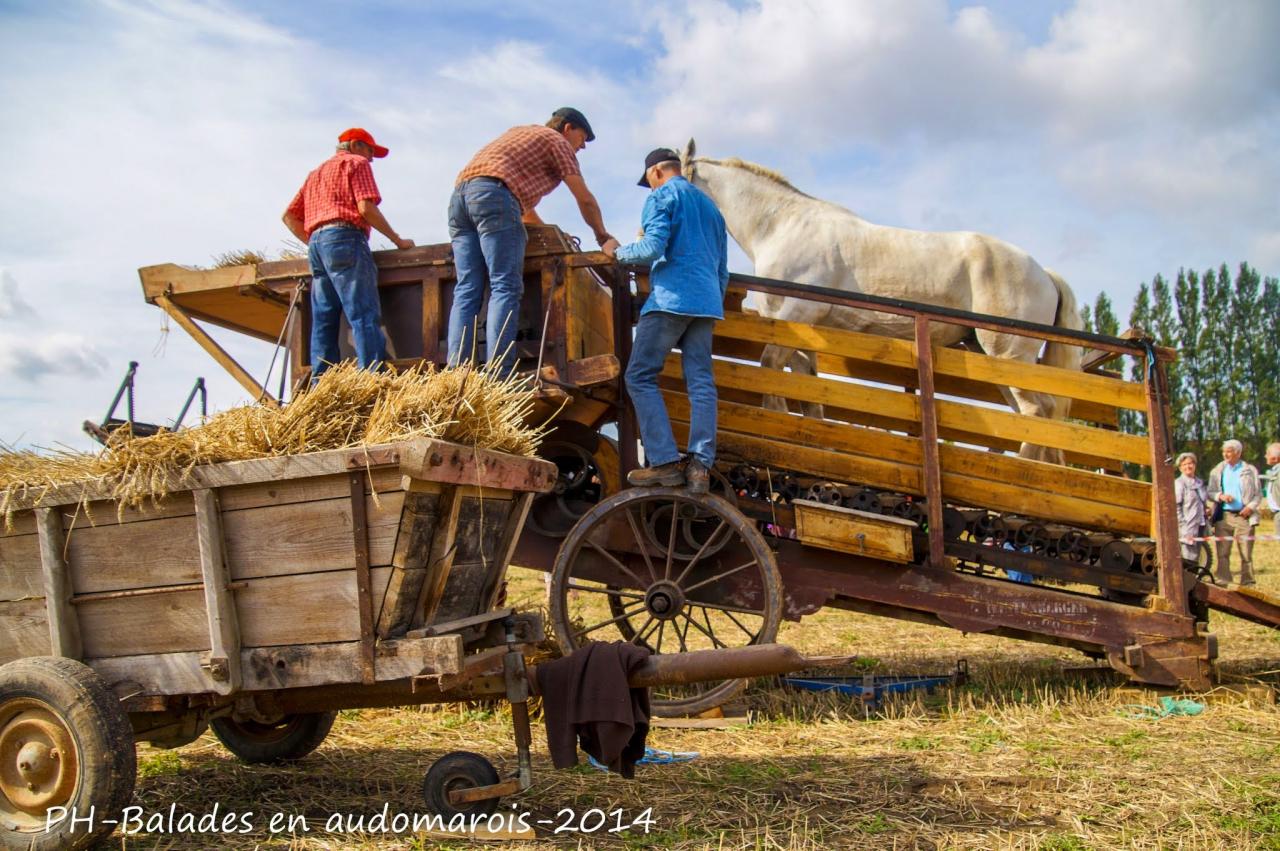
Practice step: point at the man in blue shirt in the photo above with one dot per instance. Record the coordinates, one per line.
(1233, 484)
(686, 243)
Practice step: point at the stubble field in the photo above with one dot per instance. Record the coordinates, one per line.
(1028, 754)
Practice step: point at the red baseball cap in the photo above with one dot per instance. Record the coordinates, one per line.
(359, 134)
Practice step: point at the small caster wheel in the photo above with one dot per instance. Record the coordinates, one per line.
(459, 770)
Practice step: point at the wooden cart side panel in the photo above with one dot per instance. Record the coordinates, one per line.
(24, 625)
(419, 520)
(20, 574)
(589, 323)
(475, 569)
(316, 608)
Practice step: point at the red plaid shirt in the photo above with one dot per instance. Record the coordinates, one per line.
(531, 160)
(331, 193)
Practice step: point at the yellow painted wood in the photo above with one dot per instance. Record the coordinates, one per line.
(848, 530)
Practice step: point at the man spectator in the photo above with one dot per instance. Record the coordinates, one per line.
(1271, 478)
(494, 197)
(1233, 484)
(684, 239)
(331, 215)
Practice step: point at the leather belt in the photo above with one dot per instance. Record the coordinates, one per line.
(334, 224)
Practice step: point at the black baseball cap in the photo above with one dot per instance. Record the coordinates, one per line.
(576, 118)
(657, 155)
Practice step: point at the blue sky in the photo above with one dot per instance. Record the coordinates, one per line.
(1111, 140)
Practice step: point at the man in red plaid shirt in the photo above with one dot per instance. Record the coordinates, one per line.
(494, 197)
(331, 214)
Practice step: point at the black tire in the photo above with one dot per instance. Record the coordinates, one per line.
(49, 707)
(459, 770)
(290, 738)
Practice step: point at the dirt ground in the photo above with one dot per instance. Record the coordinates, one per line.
(1028, 754)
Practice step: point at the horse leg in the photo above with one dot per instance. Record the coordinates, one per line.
(806, 363)
(1027, 402)
(775, 357)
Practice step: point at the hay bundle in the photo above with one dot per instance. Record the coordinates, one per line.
(347, 407)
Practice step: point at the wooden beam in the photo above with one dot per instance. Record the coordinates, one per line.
(451, 463)
(256, 390)
(364, 594)
(440, 559)
(507, 545)
(223, 664)
(64, 629)
(878, 349)
(970, 420)
(929, 442)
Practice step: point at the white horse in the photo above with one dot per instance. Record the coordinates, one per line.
(795, 237)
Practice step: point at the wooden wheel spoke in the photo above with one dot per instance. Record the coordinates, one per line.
(662, 625)
(638, 637)
(708, 633)
(671, 539)
(625, 614)
(640, 542)
(640, 583)
(750, 634)
(728, 572)
(684, 646)
(610, 590)
(724, 524)
(721, 607)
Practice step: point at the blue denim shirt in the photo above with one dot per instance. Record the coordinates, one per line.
(685, 240)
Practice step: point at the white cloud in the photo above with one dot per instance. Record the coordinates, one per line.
(12, 305)
(32, 358)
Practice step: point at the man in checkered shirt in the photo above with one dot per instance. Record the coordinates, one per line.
(494, 197)
(331, 214)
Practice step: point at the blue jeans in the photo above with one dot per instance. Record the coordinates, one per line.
(657, 333)
(344, 280)
(488, 248)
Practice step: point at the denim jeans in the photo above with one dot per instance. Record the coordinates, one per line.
(344, 280)
(488, 248)
(657, 334)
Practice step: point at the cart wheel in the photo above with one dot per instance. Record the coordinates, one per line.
(290, 738)
(64, 742)
(671, 572)
(459, 770)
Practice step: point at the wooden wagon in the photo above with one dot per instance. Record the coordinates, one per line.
(904, 500)
(344, 578)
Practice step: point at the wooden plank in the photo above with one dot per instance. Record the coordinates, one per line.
(848, 530)
(315, 608)
(906, 377)
(964, 490)
(439, 559)
(223, 664)
(17, 523)
(293, 666)
(952, 362)
(431, 321)
(230, 474)
(952, 416)
(885, 455)
(64, 627)
(929, 441)
(418, 521)
(439, 461)
(21, 576)
(134, 555)
(219, 354)
(475, 572)
(597, 369)
(360, 540)
(25, 627)
(308, 537)
(506, 546)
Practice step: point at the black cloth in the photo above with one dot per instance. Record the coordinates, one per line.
(586, 700)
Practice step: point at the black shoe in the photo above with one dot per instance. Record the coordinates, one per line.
(669, 475)
(697, 476)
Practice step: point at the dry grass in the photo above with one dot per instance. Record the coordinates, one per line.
(347, 407)
(1030, 754)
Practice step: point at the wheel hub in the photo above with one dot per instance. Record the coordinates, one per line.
(664, 600)
(38, 766)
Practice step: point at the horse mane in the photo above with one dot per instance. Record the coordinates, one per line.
(756, 169)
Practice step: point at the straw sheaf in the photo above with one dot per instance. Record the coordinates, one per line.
(347, 407)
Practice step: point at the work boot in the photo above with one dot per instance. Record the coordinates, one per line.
(697, 476)
(669, 475)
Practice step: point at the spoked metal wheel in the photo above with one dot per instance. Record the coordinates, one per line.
(671, 572)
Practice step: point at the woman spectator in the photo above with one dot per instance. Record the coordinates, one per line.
(1193, 506)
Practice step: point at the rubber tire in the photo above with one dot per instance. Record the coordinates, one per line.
(103, 737)
(301, 734)
(459, 770)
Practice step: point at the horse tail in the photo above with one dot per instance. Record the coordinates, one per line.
(1061, 354)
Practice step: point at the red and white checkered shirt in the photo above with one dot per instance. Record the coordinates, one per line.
(331, 193)
(531, 160)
